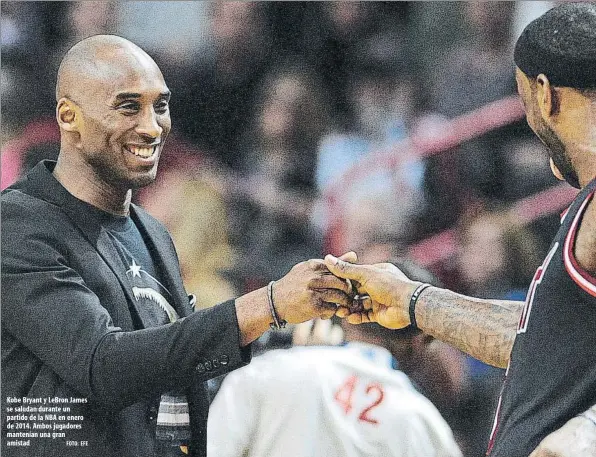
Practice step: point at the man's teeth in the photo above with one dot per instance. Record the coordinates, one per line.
(140, 151)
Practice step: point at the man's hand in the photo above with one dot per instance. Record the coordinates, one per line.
(577, 438)
(388, 290)
(309, 291)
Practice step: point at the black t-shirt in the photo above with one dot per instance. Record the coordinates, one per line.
(152, 297)
(152, 308)
(552, 371)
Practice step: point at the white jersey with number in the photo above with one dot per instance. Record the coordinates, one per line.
(325, 401)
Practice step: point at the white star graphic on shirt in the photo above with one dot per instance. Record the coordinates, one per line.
(135, 269)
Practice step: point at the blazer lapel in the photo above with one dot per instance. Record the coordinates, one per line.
(160, 245)
(48, 188)
(108, 252)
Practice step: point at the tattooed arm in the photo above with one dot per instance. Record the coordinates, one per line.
(484, 329)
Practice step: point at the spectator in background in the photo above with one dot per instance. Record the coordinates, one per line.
(92, 18)
(216, 94)
(190, 20)
(270, 215)
(332, 40)
(340, 26)
(384, 96)
(194, 213)
(525, 171)
(25, 61)
(475, 70)
(496, 256)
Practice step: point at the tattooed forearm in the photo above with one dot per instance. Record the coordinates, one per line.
(485, 329)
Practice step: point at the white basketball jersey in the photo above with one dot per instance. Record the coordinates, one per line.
(325, 401)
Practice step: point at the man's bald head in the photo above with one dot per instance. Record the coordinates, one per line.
(99, 59)
(113, 113)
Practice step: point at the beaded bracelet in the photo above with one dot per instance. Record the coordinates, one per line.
(277, 322)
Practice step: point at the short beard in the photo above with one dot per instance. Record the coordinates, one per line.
(558, 154)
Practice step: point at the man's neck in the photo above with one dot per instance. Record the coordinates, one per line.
(84, 184)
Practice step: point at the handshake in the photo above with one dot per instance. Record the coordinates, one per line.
(338, 286)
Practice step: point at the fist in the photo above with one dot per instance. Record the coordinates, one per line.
(384, 291)
(309, 291)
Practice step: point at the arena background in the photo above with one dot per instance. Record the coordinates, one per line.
(302, 128)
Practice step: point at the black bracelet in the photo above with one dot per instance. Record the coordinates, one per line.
(277, 322)
(413, 300)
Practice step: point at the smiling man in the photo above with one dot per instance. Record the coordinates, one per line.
(94, 312)
(114, 120)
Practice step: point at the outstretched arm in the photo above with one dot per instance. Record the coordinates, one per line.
(484, 329)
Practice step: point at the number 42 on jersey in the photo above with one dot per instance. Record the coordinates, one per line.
(344, 396)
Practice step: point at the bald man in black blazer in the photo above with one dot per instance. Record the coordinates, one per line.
(94, 312)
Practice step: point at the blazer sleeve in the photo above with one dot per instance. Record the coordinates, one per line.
(49, 309)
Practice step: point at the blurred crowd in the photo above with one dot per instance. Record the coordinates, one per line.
(274, 102)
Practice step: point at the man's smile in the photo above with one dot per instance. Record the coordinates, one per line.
(143, 151)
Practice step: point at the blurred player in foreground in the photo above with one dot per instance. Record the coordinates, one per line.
(548, 402)
(327, 401)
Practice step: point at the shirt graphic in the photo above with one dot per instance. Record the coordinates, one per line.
(146, 289)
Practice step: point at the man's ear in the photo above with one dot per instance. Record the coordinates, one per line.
(67, 115)
(548, 100)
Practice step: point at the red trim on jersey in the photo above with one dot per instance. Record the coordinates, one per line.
(581, 277)
(493, 432)
(497, 420)
(564, 213)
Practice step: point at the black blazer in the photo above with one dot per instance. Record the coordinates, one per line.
(67, 329)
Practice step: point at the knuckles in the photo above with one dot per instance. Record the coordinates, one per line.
(314, 264)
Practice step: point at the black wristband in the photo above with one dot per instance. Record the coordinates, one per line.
(413, 300)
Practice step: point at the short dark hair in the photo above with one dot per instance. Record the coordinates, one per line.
(561, 44)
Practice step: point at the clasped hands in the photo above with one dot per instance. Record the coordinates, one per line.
(337, 286)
